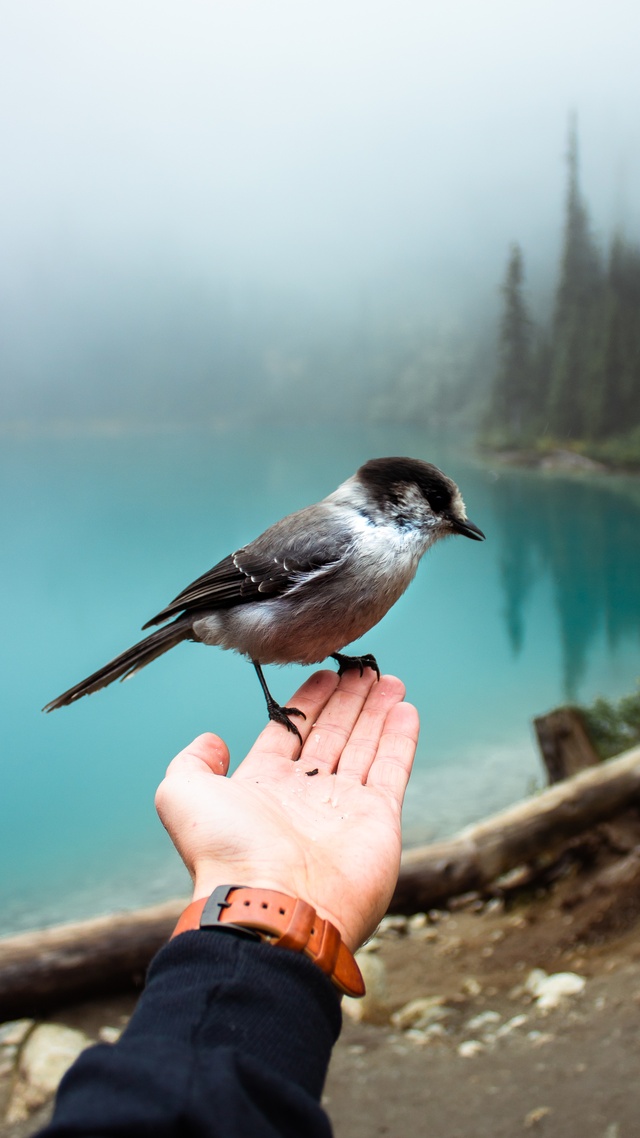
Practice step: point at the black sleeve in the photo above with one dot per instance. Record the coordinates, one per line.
(231, 1037)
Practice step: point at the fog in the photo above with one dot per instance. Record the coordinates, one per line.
(201, 199)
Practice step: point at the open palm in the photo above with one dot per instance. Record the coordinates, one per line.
(325, 828)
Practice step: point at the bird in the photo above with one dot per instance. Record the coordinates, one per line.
(312, 583)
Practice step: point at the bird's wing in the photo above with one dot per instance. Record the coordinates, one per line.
(282, 559)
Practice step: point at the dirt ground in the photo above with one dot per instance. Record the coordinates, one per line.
(494, 1063)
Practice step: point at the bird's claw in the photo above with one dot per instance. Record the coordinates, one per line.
(278, 714)
(348, 663)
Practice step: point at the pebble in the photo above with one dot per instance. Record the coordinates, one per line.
(110, 1034)
(484, 1019)
(536, 1116)
(428, 934)
(374, 944)
(46, 1056)
(373, 1006)
(471, 987)
(436, 1033)
(15, 1031)
(469, 900)
(549, 991)
(511, 1025)
(393, 926)
(470, 1048)
(539, 1038)
(420, 1012)
(8, 1053)
(417, 921)
(495, 905)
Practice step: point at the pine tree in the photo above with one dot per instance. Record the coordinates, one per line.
(618, 405)
(577, 325)
(511, 401)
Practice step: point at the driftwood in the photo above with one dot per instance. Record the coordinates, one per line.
(43, 969)
(481, 853)
(564, 743)
(39, 970)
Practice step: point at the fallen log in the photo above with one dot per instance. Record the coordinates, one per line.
(44, 969)
(481, 853)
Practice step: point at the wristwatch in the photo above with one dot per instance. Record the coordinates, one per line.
(280, 920)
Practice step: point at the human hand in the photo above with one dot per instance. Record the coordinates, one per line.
(331, 838)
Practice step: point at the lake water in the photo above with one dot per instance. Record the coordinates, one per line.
(100, 532)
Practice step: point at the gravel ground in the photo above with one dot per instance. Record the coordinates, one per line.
(480, 1055)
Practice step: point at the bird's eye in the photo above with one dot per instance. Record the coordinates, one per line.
(438, 502)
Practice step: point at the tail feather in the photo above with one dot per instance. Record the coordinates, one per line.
(127, 663)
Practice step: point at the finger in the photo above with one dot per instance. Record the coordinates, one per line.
(392, 765)
(362, 746)
(206, 751)
(275, 742)
(334, 725)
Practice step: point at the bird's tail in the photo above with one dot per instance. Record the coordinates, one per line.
(127, 663)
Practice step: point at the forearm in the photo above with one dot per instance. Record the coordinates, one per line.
(230, 1038)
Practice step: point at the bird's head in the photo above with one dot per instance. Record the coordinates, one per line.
(414, 495)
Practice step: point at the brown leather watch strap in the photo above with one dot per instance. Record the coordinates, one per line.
(280, 920)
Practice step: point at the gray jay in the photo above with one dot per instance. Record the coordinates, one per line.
(313, 582)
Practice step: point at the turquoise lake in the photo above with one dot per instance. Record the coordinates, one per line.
(100, 532)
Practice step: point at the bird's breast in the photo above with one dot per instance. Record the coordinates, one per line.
(322, 613)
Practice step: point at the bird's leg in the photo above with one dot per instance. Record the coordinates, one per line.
(277, 713)
(346, 663)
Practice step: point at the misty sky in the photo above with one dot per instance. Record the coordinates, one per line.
(319, 148)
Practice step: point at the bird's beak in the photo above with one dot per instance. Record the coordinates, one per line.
(466, 528)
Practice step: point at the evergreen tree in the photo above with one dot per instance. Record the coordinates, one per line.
(577, 324)
(512, 397)
(618, 404)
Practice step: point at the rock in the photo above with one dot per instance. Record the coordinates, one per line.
(8, 1055)
(539, 1038)
(495, 905)
(435, 1033)
(484, 1019)
(373, 1006)
(570, 460)
(534, 1117)
(110, 1034)
(421, 1012)
(511, 1025)
(469, 900)
(46, 1056)
(470, 1048)
(417, 921)
(428, 934)
(470, 986)
(549, 991)
(15, 1031)
(392, 926)
(533, 979)
(374, 944)
(451, 945)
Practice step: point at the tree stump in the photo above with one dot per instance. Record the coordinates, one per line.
(564, 743)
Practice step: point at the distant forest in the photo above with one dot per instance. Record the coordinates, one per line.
(577, 380)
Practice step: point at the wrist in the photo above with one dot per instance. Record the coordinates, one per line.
(208, 878)
(281, 920)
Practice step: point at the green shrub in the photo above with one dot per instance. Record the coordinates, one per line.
(614, 726)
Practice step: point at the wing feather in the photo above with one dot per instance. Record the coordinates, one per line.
(299, 547)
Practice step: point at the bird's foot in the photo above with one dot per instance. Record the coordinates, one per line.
(347, 663)
(281, 715)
